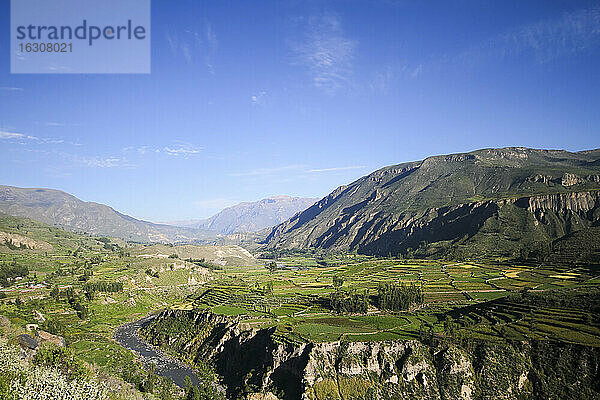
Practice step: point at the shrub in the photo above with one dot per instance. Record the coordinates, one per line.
(22, 381)
(62, 359)
(49, 384)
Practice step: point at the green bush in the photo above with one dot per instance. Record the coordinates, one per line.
(62, 359)
(22, 381)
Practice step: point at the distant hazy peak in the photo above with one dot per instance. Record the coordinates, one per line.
(254, 216)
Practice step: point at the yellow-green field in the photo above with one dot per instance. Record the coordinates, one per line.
(297, 303)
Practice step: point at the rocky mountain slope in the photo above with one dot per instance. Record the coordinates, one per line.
(61, 209)
(254, 363)
(512, 202)
(254, 216)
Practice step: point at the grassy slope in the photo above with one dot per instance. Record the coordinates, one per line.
(222, 255)
(72, 257)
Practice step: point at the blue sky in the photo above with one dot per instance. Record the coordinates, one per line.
(299, 97)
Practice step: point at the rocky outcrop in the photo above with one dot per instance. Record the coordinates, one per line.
(27, 341)
(255, 365)
(47, 337)
(577, 202)
(411, 369)
(244, 358)
(13, 240)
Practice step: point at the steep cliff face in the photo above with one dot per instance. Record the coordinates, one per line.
(254, 364)
(412, 370)
(247, 360)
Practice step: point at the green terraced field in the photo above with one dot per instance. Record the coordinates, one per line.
(298, 300)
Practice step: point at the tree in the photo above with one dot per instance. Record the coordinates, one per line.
(89, 295)
(349, 301)
(150, 380)
(268, 289)
(449, 326)
(61, 358)
(398, 297)
(338, 281)
(55, 293)
(187, 384)
(272, 266)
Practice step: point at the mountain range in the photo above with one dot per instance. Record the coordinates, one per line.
(253, 216)
(515, 203)
(512, 203)
(61, 209)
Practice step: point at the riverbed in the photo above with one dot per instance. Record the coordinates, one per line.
(128, 337)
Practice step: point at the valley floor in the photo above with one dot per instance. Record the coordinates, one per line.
(83, 288)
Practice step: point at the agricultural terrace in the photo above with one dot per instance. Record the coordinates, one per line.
(294, 299)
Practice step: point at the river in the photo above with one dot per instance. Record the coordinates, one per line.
(128, 337)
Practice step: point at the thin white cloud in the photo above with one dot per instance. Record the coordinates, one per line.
(326, 52)
(11, 135)
(385, 78)
(187, 53)
(107, 162)
(417, 71)
(213, 45)
(23, 138)
(181, 150)
(58, 159)
(209, 64)
(258, 98)
(141, 150)
(73, 161)
(176, 149)
(172, 44)
(382, 80)
(195, 46)
(545, 40)
(337, 168)
(10, 89)
(53, 141)
(211, 37)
